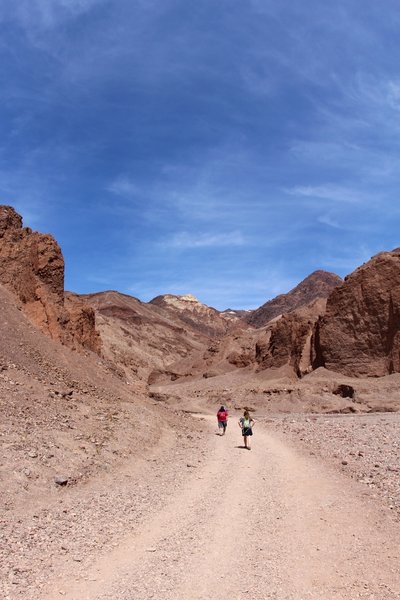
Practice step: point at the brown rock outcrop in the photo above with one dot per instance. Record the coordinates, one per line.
(317, 285)
(288, 341)
(360, 332)
(32, 266)
(81, 324)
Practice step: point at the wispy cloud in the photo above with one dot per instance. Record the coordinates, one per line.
(221, 290)
(206, 240)
(45, 14)
(328, 192)
(125, 187)
(328, 220)
(347, 259)
(261, 135)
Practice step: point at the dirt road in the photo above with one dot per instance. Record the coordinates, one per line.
(262, 524)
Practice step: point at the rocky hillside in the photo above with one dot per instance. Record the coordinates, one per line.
(63, 413)
(32, 267)
(139, 337)
(317, 285)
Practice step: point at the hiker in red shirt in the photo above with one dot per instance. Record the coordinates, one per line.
(222, 417)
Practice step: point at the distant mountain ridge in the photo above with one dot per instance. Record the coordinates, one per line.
(318, 284)
(194, 314)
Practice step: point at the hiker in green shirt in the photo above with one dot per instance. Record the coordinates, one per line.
(246, 423)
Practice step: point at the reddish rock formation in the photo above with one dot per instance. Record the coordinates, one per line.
(32, 266)
(317, 285)
(81, 324)
(288, 341)
(360, 332)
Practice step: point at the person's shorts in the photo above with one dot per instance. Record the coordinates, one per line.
(222, 424)
(247, 431)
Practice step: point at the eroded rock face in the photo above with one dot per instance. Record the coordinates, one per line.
(360, 331)
(288, 342)
(81, 325)
(32, 266)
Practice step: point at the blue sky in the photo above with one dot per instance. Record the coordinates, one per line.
(222, 148)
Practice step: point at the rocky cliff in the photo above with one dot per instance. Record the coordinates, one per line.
(360, 332)
(290, 339)
(32, 266)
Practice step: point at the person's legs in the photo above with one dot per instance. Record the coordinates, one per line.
(224, 429)
(245, 441)
(248, 443)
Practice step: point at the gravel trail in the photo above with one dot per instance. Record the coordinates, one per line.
(270, 523)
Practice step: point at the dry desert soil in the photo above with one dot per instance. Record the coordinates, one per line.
(199, 517)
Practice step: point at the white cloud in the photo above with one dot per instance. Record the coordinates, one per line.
(393, 95)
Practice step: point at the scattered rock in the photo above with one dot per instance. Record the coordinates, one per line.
(61, 480)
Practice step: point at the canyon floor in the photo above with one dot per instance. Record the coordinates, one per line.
(310, 512)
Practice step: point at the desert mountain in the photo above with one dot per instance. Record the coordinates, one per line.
(196, 316)
(139, 337)
(286, 341)
(317, 285)
(355, 331)
(91, 458)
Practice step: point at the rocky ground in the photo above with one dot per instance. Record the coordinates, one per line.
(273, 523)
(72, 434)
(62, 533)
(364, 447)
(149, 525)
